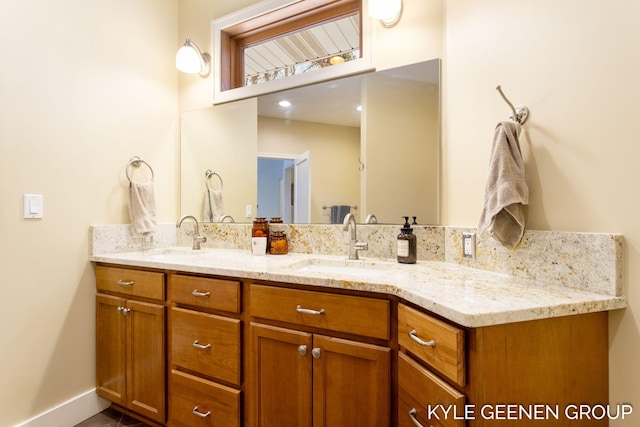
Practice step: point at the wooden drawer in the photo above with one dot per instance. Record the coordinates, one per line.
(206, 344)
(205, 292)
(355, 315)
(419, 389)
(130, 282)
(196, 402)
(437, 343)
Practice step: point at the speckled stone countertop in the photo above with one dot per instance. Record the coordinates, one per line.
(467, 296)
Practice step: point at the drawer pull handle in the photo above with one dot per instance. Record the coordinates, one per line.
(412, 417)
(302, 350)
(201, 414)
(414, 336)
(196, 344)
(299, 309)
(197, 293)
(125, 282)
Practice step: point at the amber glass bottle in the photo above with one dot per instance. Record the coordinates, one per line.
(407, 244)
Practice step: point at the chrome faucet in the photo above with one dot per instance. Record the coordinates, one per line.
(371, 219)
(223, 217)
(349, 224)
(197, 238)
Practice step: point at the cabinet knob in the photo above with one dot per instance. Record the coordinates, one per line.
(196, 344)
(200, 414)
(123, 310)
(414, 336)
(315, 353)
(302, 350)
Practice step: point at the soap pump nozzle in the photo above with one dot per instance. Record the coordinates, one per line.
(406, 225)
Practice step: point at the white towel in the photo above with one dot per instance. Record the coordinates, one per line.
(213, 206)
(142, 208)
(506, 191)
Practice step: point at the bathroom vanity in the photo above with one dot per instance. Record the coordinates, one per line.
(224, 338)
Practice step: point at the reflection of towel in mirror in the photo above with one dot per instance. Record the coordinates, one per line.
(142, 208)
(338, 212)
(213, 206)
(506, 191)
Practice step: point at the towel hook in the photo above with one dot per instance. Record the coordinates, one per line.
(136, 162)
(519, 114)
(208, 174)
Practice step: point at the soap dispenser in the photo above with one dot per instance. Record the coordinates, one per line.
(407, 244)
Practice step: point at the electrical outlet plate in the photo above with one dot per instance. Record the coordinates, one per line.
(469, 245)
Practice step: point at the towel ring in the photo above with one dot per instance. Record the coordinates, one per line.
(136, 161)
(208, 174)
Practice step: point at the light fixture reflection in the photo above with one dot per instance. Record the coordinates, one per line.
(387, 11)
(337, 59)
(284, 104)
(190, 60)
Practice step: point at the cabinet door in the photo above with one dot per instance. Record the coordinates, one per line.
(146, 359)
(351, 383)
(281, 377)
(110, 348)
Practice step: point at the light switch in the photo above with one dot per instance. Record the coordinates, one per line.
(33, 204)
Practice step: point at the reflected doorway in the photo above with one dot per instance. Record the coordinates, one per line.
(284, 187)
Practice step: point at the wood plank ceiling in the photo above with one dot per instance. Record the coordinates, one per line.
(323, 41)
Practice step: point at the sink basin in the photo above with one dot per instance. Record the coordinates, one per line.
(360, 268)
(174, 250)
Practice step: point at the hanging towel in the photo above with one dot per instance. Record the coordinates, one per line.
(142, 208)
(338, 212)
(506, 191)
(213, 205)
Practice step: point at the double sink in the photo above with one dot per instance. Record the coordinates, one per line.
(325, 265)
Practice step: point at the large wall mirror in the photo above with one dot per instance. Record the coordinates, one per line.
(368, 144)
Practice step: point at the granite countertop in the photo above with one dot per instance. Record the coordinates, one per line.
(464, 295)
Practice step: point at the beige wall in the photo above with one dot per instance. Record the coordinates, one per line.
(208, 142)
(83, 87)
(575, 65)
(401, 138)
(96, 84)
(335, 178)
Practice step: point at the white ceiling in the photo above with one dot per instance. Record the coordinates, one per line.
(334, 102)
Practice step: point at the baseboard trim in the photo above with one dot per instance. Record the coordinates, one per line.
(69, 413)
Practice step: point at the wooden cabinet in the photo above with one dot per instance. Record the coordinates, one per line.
(205, 352)
(197, 402)
(298, 378)
(130, 343)
(276, 354)
(516, 374)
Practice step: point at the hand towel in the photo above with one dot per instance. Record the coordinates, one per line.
(506, 191)
(338, 212)
(142, 208)
(213, 206)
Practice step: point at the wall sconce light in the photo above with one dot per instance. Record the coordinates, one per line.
(190, 60)
(387, 11)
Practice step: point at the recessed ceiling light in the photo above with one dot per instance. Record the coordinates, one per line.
(284, 103)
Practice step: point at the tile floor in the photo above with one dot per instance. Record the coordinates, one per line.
(110, 418)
